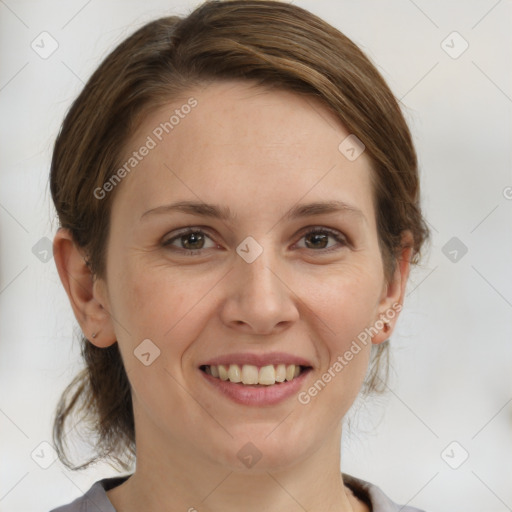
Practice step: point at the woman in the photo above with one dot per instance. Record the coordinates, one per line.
(239, 207)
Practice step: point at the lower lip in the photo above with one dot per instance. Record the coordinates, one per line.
(257, 395)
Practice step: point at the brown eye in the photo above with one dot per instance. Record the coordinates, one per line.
(316, 240)
(319, 239)
(192, 240)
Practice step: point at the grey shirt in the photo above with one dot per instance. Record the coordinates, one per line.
(96, 499)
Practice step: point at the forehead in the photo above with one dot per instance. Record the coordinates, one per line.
(237, 142)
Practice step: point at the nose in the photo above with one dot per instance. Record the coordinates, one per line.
(258, 298)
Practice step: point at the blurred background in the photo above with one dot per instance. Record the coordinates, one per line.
(440, 438)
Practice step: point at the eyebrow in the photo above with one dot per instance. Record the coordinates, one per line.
(224, 213)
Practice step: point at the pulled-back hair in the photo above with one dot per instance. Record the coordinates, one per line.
(272, 43)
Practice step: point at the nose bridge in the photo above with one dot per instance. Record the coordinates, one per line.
(258, 276)
(258, 299)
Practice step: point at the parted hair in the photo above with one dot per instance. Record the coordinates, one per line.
(272, 43)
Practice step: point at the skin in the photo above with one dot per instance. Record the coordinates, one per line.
(259, 152)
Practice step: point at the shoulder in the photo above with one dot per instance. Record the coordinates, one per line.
(374, 496)
(95, 499)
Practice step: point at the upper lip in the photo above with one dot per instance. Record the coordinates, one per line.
(272, 358)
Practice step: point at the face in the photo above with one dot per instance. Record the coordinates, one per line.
(282, 268)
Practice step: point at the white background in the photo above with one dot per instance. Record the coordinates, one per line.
(453, 348)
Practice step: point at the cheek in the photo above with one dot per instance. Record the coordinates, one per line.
(346, 299)
(156, 304)
(166, 309)
(344, 306)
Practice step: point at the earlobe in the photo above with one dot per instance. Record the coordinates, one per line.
(394, 292)
(82, 290)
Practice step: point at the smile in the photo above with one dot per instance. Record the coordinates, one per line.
(251, 375)
(253, 379)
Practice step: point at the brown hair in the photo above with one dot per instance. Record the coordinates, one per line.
(275, 44)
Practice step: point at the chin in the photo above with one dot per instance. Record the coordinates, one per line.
(264, 448)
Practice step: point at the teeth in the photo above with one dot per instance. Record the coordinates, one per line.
(249, 374)
(223, 372)
(234, 373)
(267, 375)
(252, 375)
(280, 373)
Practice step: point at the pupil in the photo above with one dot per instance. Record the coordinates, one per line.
(316, 237)
(191, 239)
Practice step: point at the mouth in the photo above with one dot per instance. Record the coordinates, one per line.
(255, 376)
(253, 379)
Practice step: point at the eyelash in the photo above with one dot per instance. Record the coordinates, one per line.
(342, 241)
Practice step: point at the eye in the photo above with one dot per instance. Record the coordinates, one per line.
(318, 238)
(194, 240)
(191, 240)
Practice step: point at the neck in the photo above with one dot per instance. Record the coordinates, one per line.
(169, 476)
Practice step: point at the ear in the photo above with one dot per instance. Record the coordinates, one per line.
(393, 294)
(87, 295)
